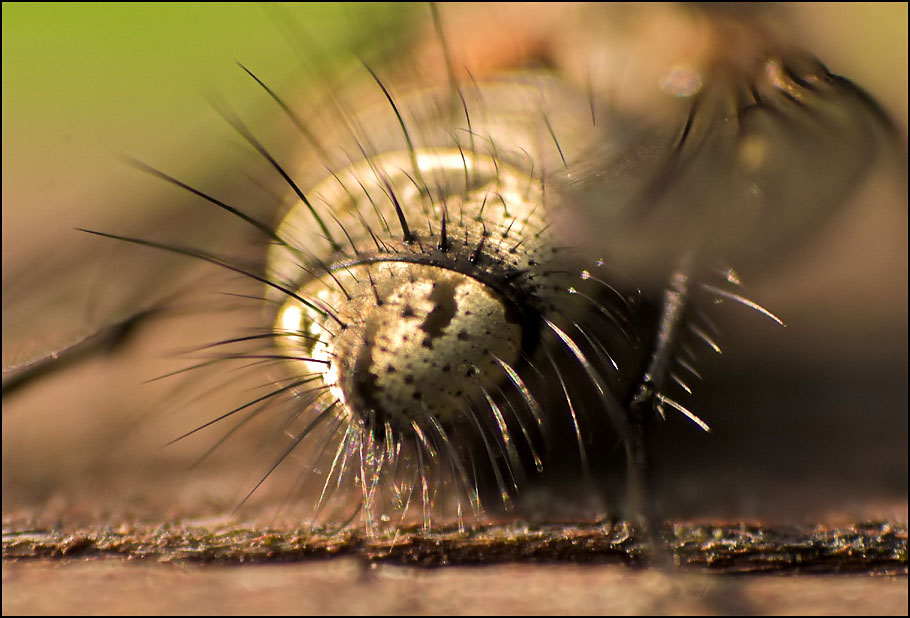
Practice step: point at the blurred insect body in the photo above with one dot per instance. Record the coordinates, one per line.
(484, 288)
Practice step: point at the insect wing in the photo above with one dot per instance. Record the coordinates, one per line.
(736, 164)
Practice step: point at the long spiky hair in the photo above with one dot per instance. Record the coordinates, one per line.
(437, 349)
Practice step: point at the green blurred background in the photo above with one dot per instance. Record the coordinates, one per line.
(84, 83)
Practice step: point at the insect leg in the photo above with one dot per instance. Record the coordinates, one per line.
(647, 396)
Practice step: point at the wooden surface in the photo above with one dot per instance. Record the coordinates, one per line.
(874, 548)
(351, 586)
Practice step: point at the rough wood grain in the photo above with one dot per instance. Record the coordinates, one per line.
(868, 547)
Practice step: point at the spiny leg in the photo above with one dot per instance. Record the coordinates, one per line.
(647, 396)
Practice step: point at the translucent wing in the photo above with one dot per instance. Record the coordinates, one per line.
(756, 164)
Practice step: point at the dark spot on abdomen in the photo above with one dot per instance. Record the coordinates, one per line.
(444, 309)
